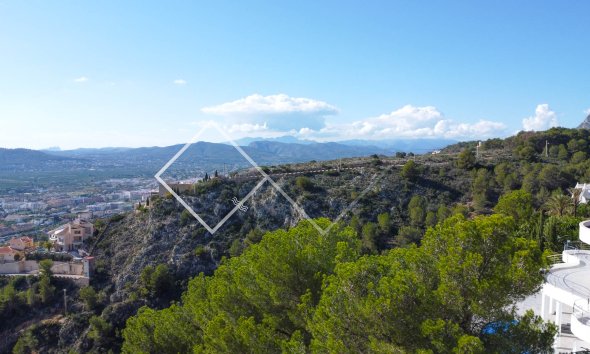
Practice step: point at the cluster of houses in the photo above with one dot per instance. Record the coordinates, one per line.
(66, 238)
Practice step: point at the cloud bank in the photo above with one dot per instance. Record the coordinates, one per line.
(279, 112)
(408, 122)
(306, 118)
(543, 119)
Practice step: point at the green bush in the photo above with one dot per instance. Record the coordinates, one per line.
(201, 251)
(89, 297)
(158, 280)
(304, 183)
(185, 217)
(410, 171)
(466, 159)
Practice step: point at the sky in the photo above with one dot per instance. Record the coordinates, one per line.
(140, 73)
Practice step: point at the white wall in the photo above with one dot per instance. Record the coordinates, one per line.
(580, 330)
(585, 231)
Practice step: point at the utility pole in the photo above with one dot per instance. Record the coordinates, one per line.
(477, 150)
(546, 148)
(65, 303)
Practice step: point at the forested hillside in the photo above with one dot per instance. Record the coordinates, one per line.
(298, 290)
(437, 249)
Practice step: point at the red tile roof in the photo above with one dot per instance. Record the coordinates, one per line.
(6, 250)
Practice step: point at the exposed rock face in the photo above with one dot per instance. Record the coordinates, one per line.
(166, 233)
(585, 124)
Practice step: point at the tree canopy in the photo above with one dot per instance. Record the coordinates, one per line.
(298, 290)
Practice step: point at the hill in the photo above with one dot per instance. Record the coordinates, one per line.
(264, 152)
(26, 168)
(389, 203)
(164, 233)
(26, 159)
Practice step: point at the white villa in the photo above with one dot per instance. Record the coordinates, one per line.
(70, 236)
(585, 195)
(565, 296)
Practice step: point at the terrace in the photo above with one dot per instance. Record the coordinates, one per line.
(565, 297)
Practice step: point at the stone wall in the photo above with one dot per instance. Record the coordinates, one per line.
(11, 267)
(24, 267)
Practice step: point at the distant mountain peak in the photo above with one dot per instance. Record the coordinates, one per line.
(287, 139)
(585, 124)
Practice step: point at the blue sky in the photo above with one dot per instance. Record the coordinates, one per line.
(81, 74)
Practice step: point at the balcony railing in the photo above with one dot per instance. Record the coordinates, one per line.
(576, 245)
(580, 324)
(554, 258)
(582, 310)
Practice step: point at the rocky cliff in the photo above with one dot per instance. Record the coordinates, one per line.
(165, 233)
(585, 124)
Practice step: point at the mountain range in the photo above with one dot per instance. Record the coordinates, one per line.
(207, 156)
(405, 145)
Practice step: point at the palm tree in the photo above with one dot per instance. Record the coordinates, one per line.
(558, 204)
(575, 192)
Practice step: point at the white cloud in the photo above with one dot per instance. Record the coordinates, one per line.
(247, 128)
(408, 122)
(81, 79)
(305, 131)
(587, 112)
(543, 119)
(280, 112)
(180, 82)
(306, 118)
(281, 103)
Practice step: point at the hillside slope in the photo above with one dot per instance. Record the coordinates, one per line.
(393, 202)
(164, 233)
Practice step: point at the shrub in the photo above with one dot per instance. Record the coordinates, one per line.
(117, 217)
(89, 297)
(200, 251)
(466, 159)
(304, 183)
(185, 217)
(99, 328)
(157, 281)
(410, 171)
